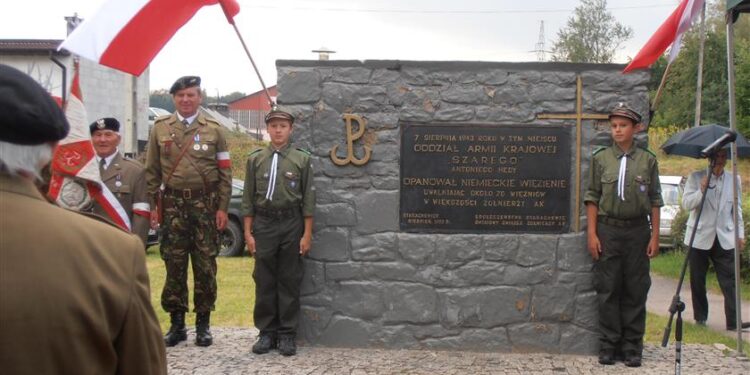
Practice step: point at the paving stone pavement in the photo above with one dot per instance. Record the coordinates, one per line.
(231, 354)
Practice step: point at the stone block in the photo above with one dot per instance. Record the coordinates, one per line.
(313, 321)
(577, 340)
(465, 94)
(500, 248)
(417, 249)
(516, 275)
(385, 183)
(384, 76)
(581, 281)
(351, 75)
(552, 302)
(495, 339)
(535, 337)
(330, 244)
(362, 300)
(482, 273)
(410, 303)
(454, 113)
(492, 77)
(313, 279)
(336, 214)
(484, 307)
(377, 211)
(537, 249)
(587, 311)
(349, 98)
(572, 254)
(457, 249)
(347, 332)
(376, 247)
(299, 87)
(344, 271)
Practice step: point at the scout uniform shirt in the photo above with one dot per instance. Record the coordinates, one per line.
(294, 187)
(207, 149)
(641, 191)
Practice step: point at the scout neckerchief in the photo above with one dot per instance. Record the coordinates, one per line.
(621, 176)
(272, 175)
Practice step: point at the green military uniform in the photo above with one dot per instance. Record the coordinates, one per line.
(195, 187)
(621, 274)
(126, 179)
(278, 228)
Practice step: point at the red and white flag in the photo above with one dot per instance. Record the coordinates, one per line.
(669, 33)
(127, 34)
(75, 173)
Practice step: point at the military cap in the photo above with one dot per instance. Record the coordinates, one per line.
(28, 114)
(185, 82)
(105, 123)
(278, 112)
(623, 110)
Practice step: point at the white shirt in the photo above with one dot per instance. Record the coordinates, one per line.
(107, 160)
(189, 119)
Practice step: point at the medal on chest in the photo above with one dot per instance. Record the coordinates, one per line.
(197, 142)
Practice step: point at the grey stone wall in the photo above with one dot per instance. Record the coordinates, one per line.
(366, 283)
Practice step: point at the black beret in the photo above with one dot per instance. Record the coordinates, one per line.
(185, 82)
(105, 123)
(28, 114)
(623, 110)
(277, 112)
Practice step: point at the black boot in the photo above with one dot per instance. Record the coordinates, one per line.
(177, 331)
(203, 330)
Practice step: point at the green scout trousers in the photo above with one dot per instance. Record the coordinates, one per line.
(278, 273)
(189, 230)
(621, 280)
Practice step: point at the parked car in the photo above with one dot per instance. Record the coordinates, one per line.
(671, 192)
(232, 239)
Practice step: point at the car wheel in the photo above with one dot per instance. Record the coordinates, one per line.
(232, 240)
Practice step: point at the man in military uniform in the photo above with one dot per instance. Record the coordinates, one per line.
(278, 205)
(67, 306)
(623, 194)
(125, 178)
(188, 165)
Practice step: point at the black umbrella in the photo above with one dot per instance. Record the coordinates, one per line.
(692, 141)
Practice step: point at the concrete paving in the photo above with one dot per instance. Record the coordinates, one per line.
(663, 290)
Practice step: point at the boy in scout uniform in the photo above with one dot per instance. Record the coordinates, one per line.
(125, 178)
(623, 193)
(67, 306)
(278, 205)
(188, 166)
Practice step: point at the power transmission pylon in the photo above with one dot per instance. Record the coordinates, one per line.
(539, 47)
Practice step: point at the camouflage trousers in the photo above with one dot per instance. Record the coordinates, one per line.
(189, 230)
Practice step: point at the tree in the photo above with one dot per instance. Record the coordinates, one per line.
(161, 99)
(592, 35)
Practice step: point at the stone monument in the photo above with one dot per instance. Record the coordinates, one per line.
(449, 208)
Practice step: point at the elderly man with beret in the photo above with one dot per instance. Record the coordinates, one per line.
(75, 291)
(189, 179)
(125, 178)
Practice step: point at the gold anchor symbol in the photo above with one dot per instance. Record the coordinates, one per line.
(350, 138)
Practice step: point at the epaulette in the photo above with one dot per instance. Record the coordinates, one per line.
(162, 117)
(649, 151)
(257, 150)
(599, 149)
(212, 120)
(304, 151)
(133, 161)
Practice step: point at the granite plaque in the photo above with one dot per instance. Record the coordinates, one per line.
(481, 178)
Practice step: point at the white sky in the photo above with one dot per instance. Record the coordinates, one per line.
(433, 30)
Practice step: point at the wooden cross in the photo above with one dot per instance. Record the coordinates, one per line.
(578, 116)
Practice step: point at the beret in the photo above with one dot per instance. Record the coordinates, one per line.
(105, 123)
(185, 82)
(28, 114)
(277, 112)
(623, 110)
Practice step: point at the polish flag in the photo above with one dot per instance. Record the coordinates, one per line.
(127, 34)
(75, 173)
(669, 33)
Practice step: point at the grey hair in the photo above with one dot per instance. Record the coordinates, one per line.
(18, 159)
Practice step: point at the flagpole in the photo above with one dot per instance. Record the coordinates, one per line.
(655, 103)
(699, 83)
(247, 51)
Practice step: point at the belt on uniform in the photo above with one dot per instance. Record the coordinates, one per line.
(186, 193)
(279, 213)
(623, 223)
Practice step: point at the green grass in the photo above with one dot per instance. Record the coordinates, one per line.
(236, 291)
(669, 264)
(692, 334)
